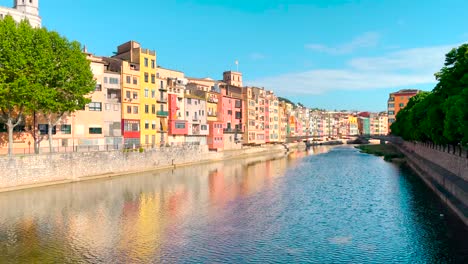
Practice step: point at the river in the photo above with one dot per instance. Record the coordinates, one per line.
(327, 205)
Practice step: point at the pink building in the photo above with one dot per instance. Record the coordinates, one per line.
(230, 110)
(215, 138)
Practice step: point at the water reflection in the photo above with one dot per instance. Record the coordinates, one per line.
(295, 209)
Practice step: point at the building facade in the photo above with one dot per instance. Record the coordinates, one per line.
(23, 10)
(397, 101)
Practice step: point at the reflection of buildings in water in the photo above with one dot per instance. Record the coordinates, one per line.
(131, 216)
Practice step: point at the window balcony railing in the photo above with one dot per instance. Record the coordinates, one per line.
(162, 113)
(162, 100)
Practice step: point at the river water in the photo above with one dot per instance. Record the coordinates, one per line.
(327, 205)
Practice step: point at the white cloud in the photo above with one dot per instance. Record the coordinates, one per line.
(366, 40)
(417, 59)
(403, 68)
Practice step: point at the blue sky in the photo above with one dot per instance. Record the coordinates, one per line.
(330, 54)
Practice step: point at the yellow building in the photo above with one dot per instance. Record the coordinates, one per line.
(149, 100)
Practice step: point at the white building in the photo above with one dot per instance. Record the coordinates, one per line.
(23, 9)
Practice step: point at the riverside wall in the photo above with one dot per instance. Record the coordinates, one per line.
(444, 170)
(19, 172)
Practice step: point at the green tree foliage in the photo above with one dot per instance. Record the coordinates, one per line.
(40, 72)
(442, 115)
(67, 80)
(16, 89)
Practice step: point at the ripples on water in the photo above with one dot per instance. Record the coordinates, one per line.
(340, 206)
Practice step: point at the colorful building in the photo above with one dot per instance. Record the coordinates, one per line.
(255, 125)
(397, 101)
(195, 113)
(273, 117)
(173, 83)
(231, 115)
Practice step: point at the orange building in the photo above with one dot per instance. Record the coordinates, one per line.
(398, 101)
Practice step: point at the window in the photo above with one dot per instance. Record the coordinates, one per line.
(229, 112)
(95, 106)
(238, 115)
(146, 77)
(130, 125)
(153, 64)
(153, 109)
(146, 93)
(204, 127)
(187, 114)
(95, 130)
(153, 78)
(180, 125)
(402, 105)
(129, 109)
(189, 101)
(65, 129)
(146, 124)
(391, 112)
(135, 80)
(146, 109)
(135, 95)
(157, 74)
(391, 105)
(105, 79)
(108, 107)
(98, 87)
(44, 129)
(116, 107)
(135, 109)
(238, 104)
(162, 84)
(128, 79)
(146, 62)
(113, 80)
(153, 93)
(153, 125)
(127, 94)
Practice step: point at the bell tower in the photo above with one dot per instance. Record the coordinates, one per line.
(30, 7)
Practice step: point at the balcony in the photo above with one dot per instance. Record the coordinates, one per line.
(161, 88)
(232, 130)
(162, 100)
(162, 113)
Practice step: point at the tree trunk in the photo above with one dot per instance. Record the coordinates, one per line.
(49, 132)
(10, 136)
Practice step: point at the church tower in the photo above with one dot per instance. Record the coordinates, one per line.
(30, 7)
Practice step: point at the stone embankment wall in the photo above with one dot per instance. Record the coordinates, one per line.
(35, 170)
(444, 169)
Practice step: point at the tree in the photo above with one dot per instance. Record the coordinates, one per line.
(16, 90)
(66, 78)
(441, 116)
(40, 72)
